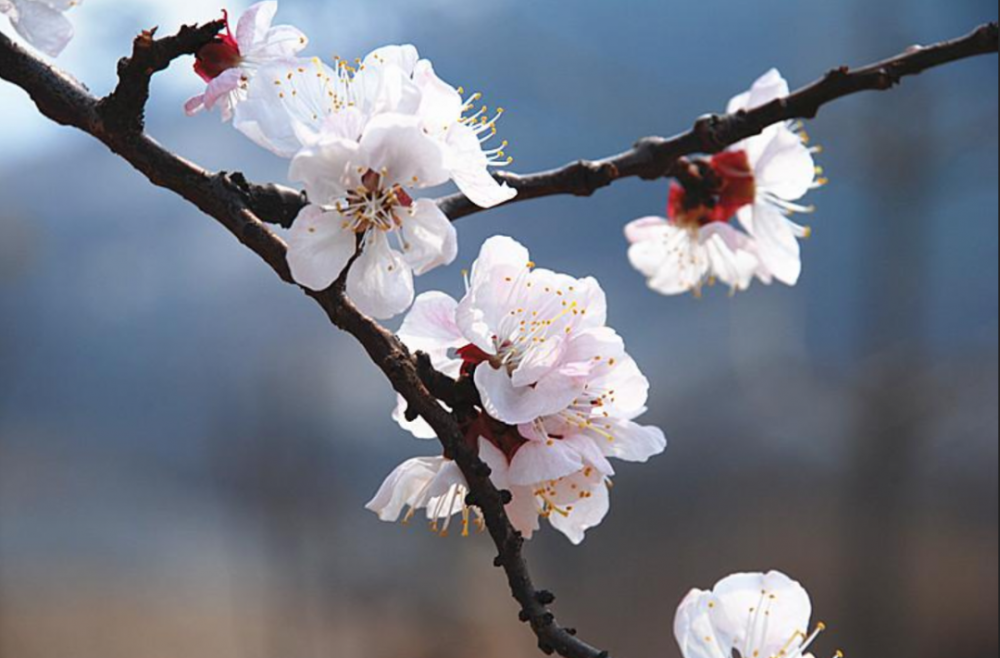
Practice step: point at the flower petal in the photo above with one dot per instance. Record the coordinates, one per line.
(380, 283)
(330, 169)
(543, 461)
(430, 238)
(403, 487)
(43, 26)
(399, 149)
(319, 248)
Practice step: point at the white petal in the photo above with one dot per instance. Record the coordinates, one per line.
(441, 106)
(694, 631)
(419, 428)
(330, 169)
(319, 248)
(497, 461)
(542, 461)
(399, 149)
(430, 237)
(380, 283)
(632, 442)
(523, 511)
(274, 117)
(254, 24)
(486, 303)
(43, 26)
(403, 487)
(785, 166)
(767, 88)
(762, 612)
(777, 244)
(733, 256)
(405, 57)
(586, 514)
(514, 406)
(469, 168)
(647, 228)
(539, 361)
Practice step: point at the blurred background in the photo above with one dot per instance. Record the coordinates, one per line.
(186, 446)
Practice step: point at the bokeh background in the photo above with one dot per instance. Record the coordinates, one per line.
(186, 445)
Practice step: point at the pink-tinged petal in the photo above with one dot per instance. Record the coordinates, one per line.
(430, 239)
(419, 428)
(492, 282)
(592, 348)
(539, 361)
(254, 24)
(591, 453)
(380, 283)
(43, 26)
(223, 85)
(647, 228)
(733, 255)
(430, 325)
(319, 248)
(539, 462)
(195, 105)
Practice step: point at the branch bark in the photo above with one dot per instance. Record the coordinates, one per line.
(242, 208)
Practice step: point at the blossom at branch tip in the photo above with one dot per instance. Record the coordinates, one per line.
(41, 22)
(229, 62)
(759, 182)
(293, 104)
(748, 615)
(559, 393)
(361, 194)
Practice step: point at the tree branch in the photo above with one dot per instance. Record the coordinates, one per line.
(655, 157)
(240, 206)
(231, 201)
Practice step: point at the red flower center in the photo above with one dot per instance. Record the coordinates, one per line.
(727, 186)
(222, 54)
(505, 438)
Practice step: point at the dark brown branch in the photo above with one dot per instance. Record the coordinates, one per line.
(123, 110)
(229, 199)
(655, 157)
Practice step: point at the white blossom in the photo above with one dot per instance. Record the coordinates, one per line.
(229, 63)
(748, 615)
(758, 181)
(560, 395)
(41, 22)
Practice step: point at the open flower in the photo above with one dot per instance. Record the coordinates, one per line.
(774, 171)
(228, 63)
(749, 615)
(294, 103)
(41, 22)
(679, 256)
(757, 181)
(361, 196)
(559, 393)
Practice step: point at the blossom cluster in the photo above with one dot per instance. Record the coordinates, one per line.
(759, 182)
(559, 397)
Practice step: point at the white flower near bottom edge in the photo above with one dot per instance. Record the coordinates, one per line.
(41, 22)
(361, 194)
(229, 63)
(754, 615)
(572, 504)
